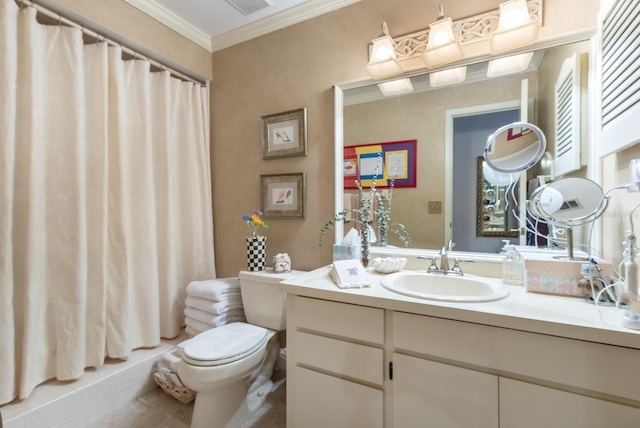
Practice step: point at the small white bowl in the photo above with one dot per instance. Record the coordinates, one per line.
(388, 264)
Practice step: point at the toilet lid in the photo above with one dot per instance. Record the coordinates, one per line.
(224, 344)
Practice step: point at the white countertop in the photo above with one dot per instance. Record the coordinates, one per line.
(569, 317)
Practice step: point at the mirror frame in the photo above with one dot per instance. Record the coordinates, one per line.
(588, 34)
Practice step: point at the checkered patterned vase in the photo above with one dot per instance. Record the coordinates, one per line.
(257, 253)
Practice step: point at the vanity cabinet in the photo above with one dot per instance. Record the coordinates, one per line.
(530, 380)
(358, 366)
(335, 364)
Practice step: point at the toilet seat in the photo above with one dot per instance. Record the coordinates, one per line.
(225, 344)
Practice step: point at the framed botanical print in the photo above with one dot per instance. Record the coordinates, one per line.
(283, 195)
(284, 134)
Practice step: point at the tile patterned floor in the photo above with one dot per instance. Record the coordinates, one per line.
(106, 398)
(158, 410)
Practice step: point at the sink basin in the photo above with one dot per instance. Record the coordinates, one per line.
(446, 288)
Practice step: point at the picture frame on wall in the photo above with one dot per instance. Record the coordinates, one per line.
(381, 161)
(284, 134)
(283, 195)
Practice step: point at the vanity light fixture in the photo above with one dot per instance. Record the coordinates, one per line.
(509, 65)
(515, 27)
(551, 200)
(382, 62)
(396, 87)
(442, 46)
(447, 77)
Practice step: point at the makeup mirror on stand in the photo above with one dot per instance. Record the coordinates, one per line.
(568, 202)
(564, 203)
(515, 147)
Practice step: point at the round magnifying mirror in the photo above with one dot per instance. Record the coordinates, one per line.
(570, 201)
(515, 147)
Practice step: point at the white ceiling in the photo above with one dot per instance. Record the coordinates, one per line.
(215, 24)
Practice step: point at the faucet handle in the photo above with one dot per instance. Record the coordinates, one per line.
(456, 265)
(433, 266)
(456, 268)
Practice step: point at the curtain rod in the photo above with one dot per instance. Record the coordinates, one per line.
(56, 15)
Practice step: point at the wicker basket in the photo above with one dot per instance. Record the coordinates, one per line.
(180, 393)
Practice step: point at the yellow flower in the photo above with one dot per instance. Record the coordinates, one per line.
(254, 221)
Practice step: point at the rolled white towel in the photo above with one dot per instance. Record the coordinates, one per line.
(192, 331)
(170, 359)
(215, 289)
(199, 326)
(212, 319)
(213, 306)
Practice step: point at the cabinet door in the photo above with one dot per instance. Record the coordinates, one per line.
(524, 405)
(431, 394)
(323, 401)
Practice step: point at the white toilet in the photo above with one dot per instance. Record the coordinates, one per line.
(229, 366)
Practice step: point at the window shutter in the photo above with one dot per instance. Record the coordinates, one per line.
(567, 112)
(620, 75)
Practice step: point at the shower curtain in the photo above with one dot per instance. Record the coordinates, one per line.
(105, 202)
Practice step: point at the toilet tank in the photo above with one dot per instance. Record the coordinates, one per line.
(264, 303)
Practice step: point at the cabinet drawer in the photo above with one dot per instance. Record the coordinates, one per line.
(593, 366)
(323, 401)
(343, 358)
(340, 319)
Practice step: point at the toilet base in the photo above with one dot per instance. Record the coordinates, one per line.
(229, 407)
(225, 407)
(231, 404)
(256, 399)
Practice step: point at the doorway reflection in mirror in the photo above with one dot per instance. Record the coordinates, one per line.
(495, 203)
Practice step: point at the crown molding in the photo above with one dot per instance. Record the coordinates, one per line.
(267, 25)
(294, 15)
(173, 21)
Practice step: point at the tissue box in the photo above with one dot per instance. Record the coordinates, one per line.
(345, 252)
(546, 274)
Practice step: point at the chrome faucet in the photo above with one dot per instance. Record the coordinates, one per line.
(450, 245)
(444, 260)
(444, 268)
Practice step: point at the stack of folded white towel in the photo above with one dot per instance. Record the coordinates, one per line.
(212, 303)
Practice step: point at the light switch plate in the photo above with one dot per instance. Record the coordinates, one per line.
(435, 207)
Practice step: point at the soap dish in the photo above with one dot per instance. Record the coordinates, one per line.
(388, 264)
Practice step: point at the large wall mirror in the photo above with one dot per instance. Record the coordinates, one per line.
(451, 125)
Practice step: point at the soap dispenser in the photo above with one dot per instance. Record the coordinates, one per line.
(512, 269)
(630, 266)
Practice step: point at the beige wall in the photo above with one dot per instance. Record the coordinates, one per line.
(296, 67)
(288, 69)
(615, 172)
